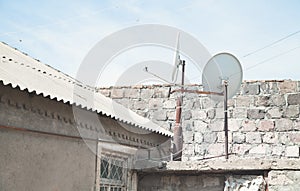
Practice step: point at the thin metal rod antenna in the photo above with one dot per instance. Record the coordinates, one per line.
(157, 76)
(226, 117)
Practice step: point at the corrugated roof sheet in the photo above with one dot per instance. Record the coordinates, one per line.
(20, 70)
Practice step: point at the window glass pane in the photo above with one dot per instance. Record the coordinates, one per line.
(116, 170)
(119, 173)
(104, 168)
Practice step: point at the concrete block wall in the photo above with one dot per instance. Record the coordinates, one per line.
(263, 118)
(151, 182)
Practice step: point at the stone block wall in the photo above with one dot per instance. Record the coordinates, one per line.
(263, 118)
(284, 180)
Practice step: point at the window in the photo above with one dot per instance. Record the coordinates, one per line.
(113, 173)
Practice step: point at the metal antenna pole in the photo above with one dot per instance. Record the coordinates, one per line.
(178, 139)
(226, 118)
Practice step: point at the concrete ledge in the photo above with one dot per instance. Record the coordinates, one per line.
(223, 166)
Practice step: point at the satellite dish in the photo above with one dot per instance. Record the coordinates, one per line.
(176, 60)
(220, 68)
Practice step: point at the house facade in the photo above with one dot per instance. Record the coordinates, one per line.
(54, 138)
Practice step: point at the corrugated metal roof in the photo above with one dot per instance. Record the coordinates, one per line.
(20, 70)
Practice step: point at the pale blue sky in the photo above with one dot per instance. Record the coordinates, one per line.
(60, 33)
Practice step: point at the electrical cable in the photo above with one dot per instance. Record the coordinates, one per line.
(271, 44)
(273, 57)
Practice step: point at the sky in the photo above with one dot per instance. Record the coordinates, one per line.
(263, 34)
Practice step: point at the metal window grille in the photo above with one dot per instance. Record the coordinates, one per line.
(113, 173)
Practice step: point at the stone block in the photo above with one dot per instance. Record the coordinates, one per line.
(287, 87)
(253, 137)
(251, 89)
(188, 136)
(200, 126)
(196, 103)
(216, 149)
(292, 151)
(277, 150)
(265, 88)
(217, 125)
(240, 113)
(220, 104)
(171, 115)
(162, 92)
(256, 114)
(274, 113)
(297, 125)
(238, 137)
(209, 137)
(245, 183)
(273, 86)
(105, 92)
(140, 105)
(270, 137)
(277, 100)
(234, 124)
(132, 93)
(186, 115)
(241, 149)
(262, 101)
(295, 137)
(211, 113)
(160, 115)
(285, 138)
(187, 125)
(146, 93)
(201, 149)
(244, 101)
(188, 104)
(279, 178)
(155, 103)
(266, 125)
(219, 113)
(199, 114)
(248, 125)
(188, 149)
(283, 124)
(169, 104)
(117, 93)
(293, 99)
(231, 103)
(292, 111)
(198, 137)
(260, 149)
(207, 103)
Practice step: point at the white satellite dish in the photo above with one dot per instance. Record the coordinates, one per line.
(222, 74)
(176, 60)
(222, 68)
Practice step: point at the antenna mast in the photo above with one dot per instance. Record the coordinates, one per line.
(178, 138)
